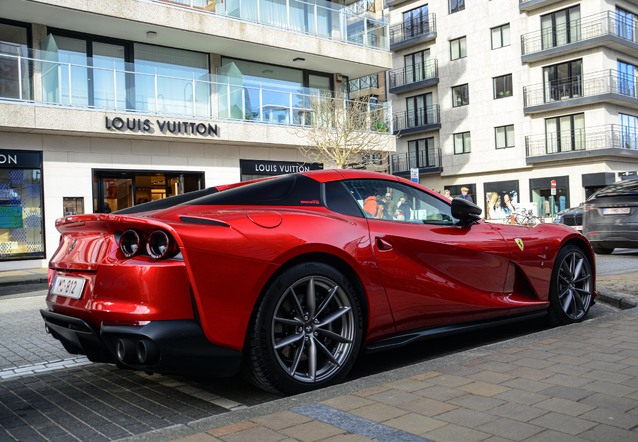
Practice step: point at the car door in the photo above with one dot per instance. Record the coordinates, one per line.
(434, 271)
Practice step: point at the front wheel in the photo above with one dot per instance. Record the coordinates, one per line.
(307, 331)
(572, 286)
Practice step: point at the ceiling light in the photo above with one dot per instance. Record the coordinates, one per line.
(151, 34)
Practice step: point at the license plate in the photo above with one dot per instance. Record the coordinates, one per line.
(616, 211)
(68, 286)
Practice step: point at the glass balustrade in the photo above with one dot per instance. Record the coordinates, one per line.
(40, 77)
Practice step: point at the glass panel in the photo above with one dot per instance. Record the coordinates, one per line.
(579, 132)
(500, 138)
(566, 133)
(551, 135)
(73, 73)
(169, 80)
(118, 194)
(109, 82)
(21, 227)
(14, 73)
(547, 31)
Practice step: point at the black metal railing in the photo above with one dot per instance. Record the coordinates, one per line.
(588, 85)
(407, 31)
(419, 118)
(363, 83)
(612, 136)
(424, 159)
(413, 74)
(606, 23)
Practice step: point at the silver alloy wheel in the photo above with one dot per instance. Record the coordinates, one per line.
(313, 329)
(575, 285)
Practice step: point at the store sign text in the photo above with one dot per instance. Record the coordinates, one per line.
(8, 159)
(164, 126)
(281, 168)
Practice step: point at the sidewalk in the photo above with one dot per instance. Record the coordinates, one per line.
(19, 277)
(570, 383)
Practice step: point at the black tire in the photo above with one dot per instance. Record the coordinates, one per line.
(572, 286)
(306, 333)
(602, 250)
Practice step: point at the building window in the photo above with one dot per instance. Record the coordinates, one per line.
(625, 24)
(462, 143)
(456, 6)
(21, 214)
(504, 136)
(502, 86)
(418, 67)
(416, 22)
(500, 36)
(564, 134)
(15, 72)
(421, 153)
(458, 48)
(544, 201)
(561, 27)
(419, 110)
(628, 131)
(563, 81)
(627, 79)
(460, 95)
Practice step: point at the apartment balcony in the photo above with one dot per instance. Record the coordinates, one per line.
(429, 161)
(406, 35)
(312, 35)
(47, 82)
(606, 29)
(413, 77)
(320, 18)
(425, 119)
(608, 86)
(531, 5)
(611, 140)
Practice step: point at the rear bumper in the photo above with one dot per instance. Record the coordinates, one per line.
(159, 346)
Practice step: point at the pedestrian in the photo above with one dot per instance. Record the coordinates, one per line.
(464, 194)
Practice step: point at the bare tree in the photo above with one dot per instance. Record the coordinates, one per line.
(345, 133)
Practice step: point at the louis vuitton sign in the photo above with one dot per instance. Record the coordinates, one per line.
(173, 127)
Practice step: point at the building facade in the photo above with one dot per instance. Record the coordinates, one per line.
(104, 105)
(533, 101)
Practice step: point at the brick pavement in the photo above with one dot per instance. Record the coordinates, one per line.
(570, 383)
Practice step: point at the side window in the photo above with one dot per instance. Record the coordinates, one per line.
(394, 201)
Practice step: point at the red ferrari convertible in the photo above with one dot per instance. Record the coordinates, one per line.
(288, 279)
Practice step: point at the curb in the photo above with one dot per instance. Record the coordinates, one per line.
(622, 301)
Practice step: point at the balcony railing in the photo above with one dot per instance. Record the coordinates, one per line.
(588, 85)
(606, 23)
(320, 18)
(361, 7)
(408, 31)
(422, 160)
(414, 74)
(363, 83)
(422, 119)
(590, 139)
(37, 77)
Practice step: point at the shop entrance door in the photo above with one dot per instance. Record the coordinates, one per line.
(117, 190)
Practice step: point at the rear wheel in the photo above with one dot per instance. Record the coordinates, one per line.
(572, 286)
(307, 331)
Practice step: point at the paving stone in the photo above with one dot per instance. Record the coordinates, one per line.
(553, 436)
(518, 412)
(477, 402)
(569, 393)
(627, 421)
(456, 433)
(608, 433)
(310, 431)
(567, 380)
(509, 429)
(414, 423)
(378, 412)
(450, 380)
(466, 418)
(483, 388)
(261, 434)
(564, 406)
(527, 385)
(281, 420)
(491, 376)
(394, 397)
(610, 402)
(427, 407)
(563, 423)
(609, 388)
(440, 393)
(348, 402)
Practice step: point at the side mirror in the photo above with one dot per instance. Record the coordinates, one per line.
(466, 211)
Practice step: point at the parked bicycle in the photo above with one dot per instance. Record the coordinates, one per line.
(525, 217)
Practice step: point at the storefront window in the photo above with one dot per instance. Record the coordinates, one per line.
(548, 202)
(21, 226)
(501, 200)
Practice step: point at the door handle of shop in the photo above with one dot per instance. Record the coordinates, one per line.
(383, 245)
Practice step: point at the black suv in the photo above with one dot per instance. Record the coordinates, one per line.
(610, 218)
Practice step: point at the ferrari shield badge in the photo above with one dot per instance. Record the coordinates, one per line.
(519, 243)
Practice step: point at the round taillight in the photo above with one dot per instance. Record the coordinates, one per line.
(130, 243)
(159, 245)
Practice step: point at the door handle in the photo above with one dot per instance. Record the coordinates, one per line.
(383, 245)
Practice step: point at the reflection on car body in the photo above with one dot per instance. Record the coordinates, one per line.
(288, 279)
